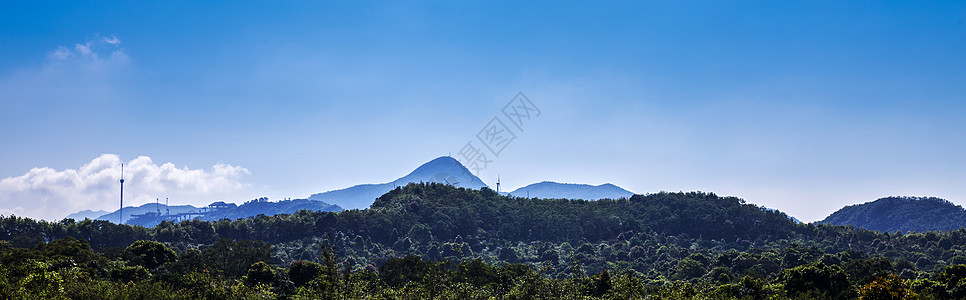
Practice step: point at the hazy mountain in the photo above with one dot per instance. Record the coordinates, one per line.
(146, 208)
(892, 214)
(86, 214)
(231, 211)
(555, 190)
(254, 208)
(445, 169)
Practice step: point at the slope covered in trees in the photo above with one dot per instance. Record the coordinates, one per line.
(437, 241)
(894, 214)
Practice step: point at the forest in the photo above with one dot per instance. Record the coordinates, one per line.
(432, 240)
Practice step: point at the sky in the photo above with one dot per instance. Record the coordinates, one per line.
(802, 106)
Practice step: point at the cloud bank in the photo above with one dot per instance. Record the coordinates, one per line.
(51, 194)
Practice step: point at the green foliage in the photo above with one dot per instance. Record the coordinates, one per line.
(302, 272)
(688, 268)
(746, 288)
(816, 279)
(476, 272)
(233, 257)
(952, 282)
(420, 233)
(260, 273)
(40, 282)
(482, 245)
(151, 253)
(889, 287)
(400, 271)
(130, 274)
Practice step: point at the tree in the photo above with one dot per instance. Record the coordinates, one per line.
(302, 272)
(78, 250)
(746, 288)
(152, 254)
(420, 233)
(688, 269)
(600, 284)
(399, 271)
(476, 272)
(259, 273)
(890, 287)
(830, 281)
(953, 281)
(234, 257)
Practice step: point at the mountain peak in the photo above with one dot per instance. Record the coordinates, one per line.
(444, 169)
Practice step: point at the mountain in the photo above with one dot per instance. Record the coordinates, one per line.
(86, 214)
(555, 190)
(146, 208)
(445, 169)
(892, 214)
(221, 210)
(254, 208)
(147, 215)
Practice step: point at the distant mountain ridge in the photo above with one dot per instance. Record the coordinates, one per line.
(268, 208)
(445, 170)
(86, 214)
(231, 211)
(556, 190)
(893, 214)
(150, 214)
(146, 208)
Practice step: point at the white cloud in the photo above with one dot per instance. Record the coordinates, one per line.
(113, 40)
(61, 53)
(51, 194)
(91, 51)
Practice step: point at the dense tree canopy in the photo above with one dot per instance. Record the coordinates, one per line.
(435, 240)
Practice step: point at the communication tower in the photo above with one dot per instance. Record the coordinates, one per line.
(120, 218)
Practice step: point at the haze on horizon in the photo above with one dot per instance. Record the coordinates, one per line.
(803, 107)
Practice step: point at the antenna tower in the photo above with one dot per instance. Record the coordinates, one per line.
(121, 211)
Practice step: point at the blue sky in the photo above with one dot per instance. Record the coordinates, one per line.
(801, 106)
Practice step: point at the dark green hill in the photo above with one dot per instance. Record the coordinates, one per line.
(456, 211)
(919, 214)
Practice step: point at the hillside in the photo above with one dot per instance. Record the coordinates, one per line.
(555, 190)
(919, 214)
(438, 239)
(696, 214)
